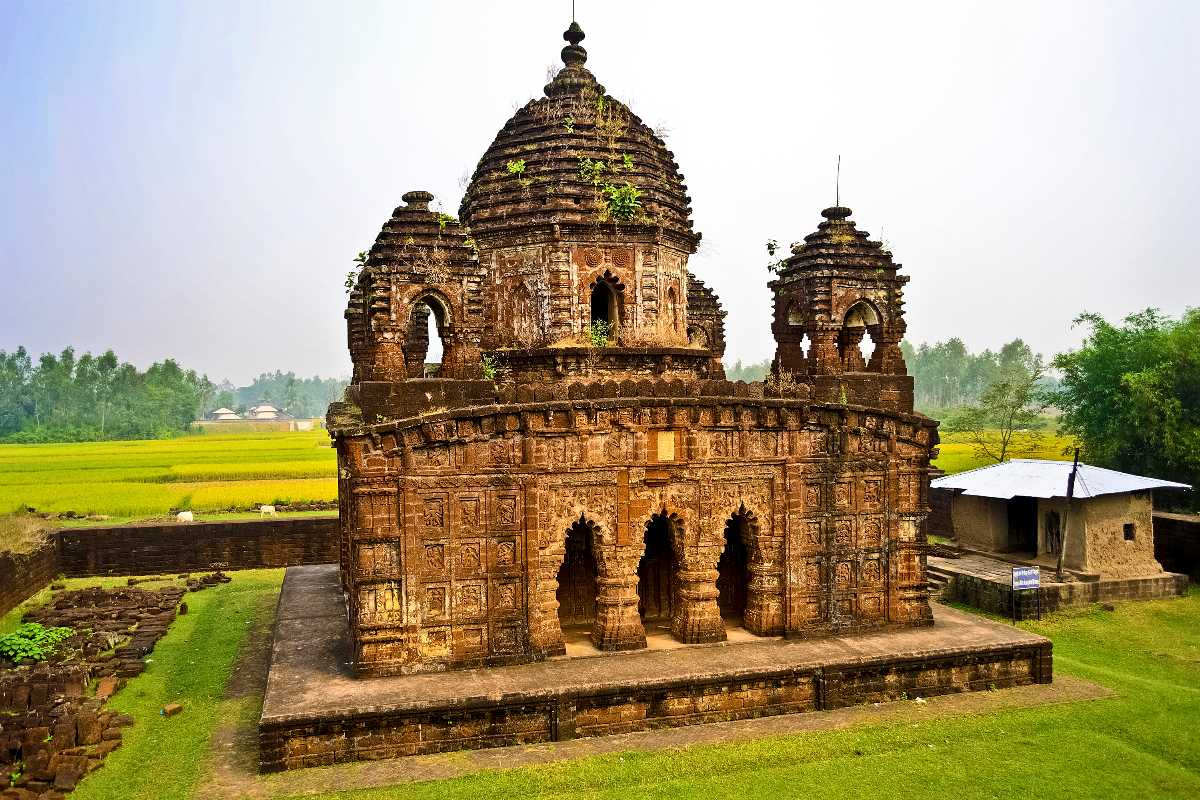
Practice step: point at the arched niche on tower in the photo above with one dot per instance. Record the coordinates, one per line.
(860, 335)
(605, 306)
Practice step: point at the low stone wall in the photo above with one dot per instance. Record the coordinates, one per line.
(186, 547)
(165, 548)
(1177, 543)
(997, 598)
(24, 575)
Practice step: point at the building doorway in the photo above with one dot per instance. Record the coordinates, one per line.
(1022, 525)
(657, 574)
(1053, 538)
(733, 571)
(577, 588)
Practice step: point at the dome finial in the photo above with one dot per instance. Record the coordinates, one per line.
(573, 54)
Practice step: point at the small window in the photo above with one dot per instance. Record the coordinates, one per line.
(1130, 530)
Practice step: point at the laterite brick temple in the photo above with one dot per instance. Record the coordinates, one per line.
(577, 476)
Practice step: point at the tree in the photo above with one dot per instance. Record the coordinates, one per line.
(225, 399)
(16, 403)
(1007, 419)
(1131, 394)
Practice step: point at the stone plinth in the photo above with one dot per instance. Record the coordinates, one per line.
(315, 713)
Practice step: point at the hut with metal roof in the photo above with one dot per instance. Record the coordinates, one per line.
(1020, 507)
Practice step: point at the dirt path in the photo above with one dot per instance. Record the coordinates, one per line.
(233, 759)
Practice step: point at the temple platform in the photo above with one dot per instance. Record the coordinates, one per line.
(315, 713)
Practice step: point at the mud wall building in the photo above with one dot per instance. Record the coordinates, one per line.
(1020, 507)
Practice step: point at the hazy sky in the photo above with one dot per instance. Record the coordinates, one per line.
(193, 180)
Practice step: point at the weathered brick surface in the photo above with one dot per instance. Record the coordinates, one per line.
(284, 746)
(164, 548)
(579, 445)
(23, 575)
(314, 713)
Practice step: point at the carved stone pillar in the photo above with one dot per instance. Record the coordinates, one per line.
(618, 625)
(545, 629)
(888, 359)
(387, 355)
(696, 617)
(764, 600)
(848, 343)
(823, 356)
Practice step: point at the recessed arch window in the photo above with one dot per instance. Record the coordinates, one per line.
(425, 341)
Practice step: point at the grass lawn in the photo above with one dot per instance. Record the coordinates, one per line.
(957, 454)
(165, 757)
(139, 479)
(1141, 742)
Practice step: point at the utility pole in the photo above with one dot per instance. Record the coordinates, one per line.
(1062, 543)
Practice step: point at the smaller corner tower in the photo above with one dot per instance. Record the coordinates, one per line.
(839, 316)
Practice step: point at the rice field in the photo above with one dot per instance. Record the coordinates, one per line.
(957, 454)
(140, 479)
(214, 473)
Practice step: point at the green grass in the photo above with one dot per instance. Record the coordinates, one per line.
(139, 479)
(957, 454)
(1140, 742)
(164, 757)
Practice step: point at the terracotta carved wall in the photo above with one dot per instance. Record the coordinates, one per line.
(458, 527)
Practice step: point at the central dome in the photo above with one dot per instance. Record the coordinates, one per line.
(577, 157)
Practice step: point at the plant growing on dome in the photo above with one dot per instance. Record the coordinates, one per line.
(772, 248)
(353, 275)
(516, 167)
(622, 203)
(591, 170)
(443, 220)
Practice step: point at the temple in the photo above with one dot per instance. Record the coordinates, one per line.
(577, 463)
(567, 522)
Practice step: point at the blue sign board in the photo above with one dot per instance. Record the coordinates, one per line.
(1026, 578)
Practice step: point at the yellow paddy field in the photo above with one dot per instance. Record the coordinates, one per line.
(210, 474)
(204, 473)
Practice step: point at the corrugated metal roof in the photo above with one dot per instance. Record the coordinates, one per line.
(1028, 477)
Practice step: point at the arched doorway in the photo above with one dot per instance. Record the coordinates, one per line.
(657, 573)
(605, 317)
(733, 571)
(425, 341)
(577, 590)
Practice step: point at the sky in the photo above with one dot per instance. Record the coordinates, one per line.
(193, 180)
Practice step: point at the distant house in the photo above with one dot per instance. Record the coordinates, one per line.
(260, 417)
(266, 411)
(1020, 508)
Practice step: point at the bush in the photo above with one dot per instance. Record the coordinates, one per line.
(32, 641)
(599, 333)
